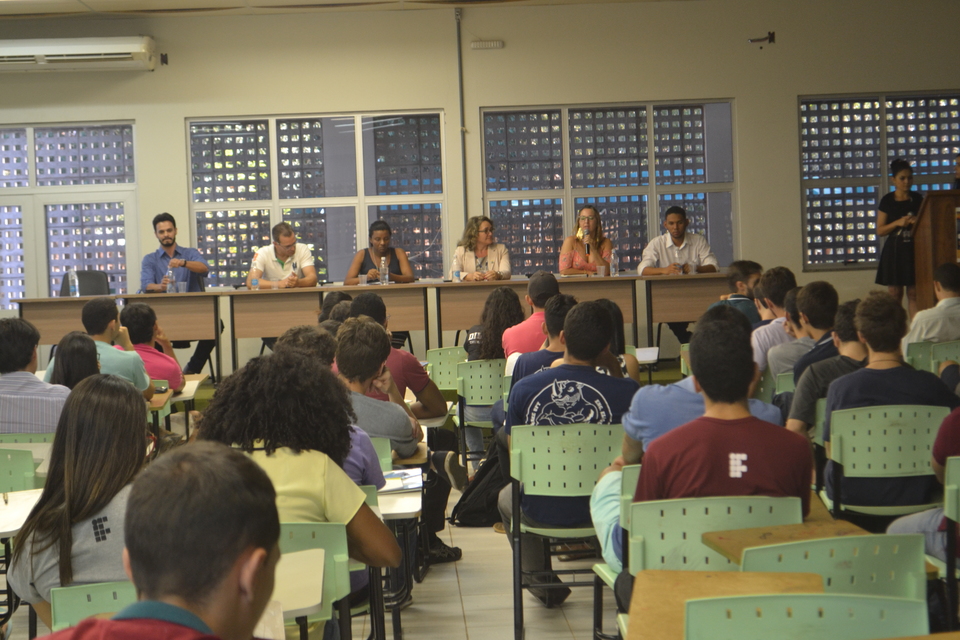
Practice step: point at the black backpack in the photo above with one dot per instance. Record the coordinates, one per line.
(477, 506)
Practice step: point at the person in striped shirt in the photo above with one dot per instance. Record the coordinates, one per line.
(27, 404)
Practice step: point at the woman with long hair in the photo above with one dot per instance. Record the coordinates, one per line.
(620, 364)
(76, 359)
(478, 256)
(75, 532)
(367, 261)
(587, 248)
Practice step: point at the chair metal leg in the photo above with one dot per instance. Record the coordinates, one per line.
(378, 623)
(517, 566)
(31, 623)
(343, 613)
(302, 622)
(952, 601)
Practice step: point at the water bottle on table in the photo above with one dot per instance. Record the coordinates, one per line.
(384, 274)
(171, 282)
(614, 263)
(73, 283)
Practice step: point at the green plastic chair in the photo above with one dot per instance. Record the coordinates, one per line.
(605, 574)
(666, 534)
(384, 453)
(801, 616)
(684, 369)
(918, 355)
(26, 438)
(70, 605)
(555, 461)
(821, 419)
(940, 352)
(507, 384)
(332, 538)
(785, 382)
(442, 366)
(888, 441)
(479, 383)
(16, 470)
(766, 387)
(951, 510)
(871, 565)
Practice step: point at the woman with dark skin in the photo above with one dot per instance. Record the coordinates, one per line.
(367, 261)
(896, 215)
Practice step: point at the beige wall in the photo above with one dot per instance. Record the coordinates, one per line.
(346, 61)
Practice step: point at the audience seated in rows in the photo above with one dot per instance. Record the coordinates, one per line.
(817, 303)
(74, 533)
(742, 277)
(574, 392)
(76, 359)
(101, 320)
(942, 322)
(201, 532)
(881, 322)
(27, 405)
(781, 358)
(145, 333)
(774, 283)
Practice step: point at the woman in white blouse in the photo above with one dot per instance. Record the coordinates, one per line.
(478, 257)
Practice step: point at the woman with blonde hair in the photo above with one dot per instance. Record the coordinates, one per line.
(478, 256)
(587, 248)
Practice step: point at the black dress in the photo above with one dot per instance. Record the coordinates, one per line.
(896, 259)
(392, 267)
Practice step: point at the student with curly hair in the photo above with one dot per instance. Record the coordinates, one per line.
(501, 311)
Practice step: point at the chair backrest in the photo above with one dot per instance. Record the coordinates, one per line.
(370, 496)
(562, 460)
(25, 438)
(801, 616)
(943, 351)
(384, 453)
(629, 477)
(70, 605)
(480, 382)
(885, 441)
(332, 538)
(16, 470)
(820, 419)
(665, 534)
(918, 355)
(785, 382)
(442, 365)
(766, 387)
(873, 565)
(951, 489)
(89, 283)
(684, 367)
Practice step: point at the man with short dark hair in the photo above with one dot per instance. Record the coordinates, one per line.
(188, 266)
(942, 322)
(781, 358)
(775, 283)
(285, 263)
(313, 339)
(140, 321)
(201, 534)
(571, 393)
(817, 303)
(101, 321)
(742, 277)
(404, 367)
(881, 323)
(27, 405)
(528, 335)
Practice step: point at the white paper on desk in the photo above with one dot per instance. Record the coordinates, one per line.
(402, 480)
(270, 626)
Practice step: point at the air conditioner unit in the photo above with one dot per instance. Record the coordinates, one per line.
(78, 54)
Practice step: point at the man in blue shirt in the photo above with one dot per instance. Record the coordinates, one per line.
(571, 393)
(188, 266)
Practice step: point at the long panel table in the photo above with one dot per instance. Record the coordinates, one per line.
(681, 298)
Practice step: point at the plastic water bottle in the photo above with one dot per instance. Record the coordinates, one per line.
(73, 282)
(614, 263)
(171, 282)
(455, 270)
(384, 274)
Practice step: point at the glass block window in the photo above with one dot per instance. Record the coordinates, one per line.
(331, 234)
(416, 230)
(679, 144)
(608, 147)
(11, 257)
(523, 150)
(88, 236)
(13, 158)
(84, 155)
(624, 221)
(924, 130)
(227, 238)
(841, 225)
(230, 161)
(532, 230)
(840, 138)
(406, 154)
(316, 157)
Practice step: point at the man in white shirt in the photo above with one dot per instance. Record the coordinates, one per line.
(775, 284)
(285, 263)
(942, 322)
(677, 252)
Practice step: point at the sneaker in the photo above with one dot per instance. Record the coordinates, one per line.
(552, 597)
(449, 468)
(499, 528)
(440, 552)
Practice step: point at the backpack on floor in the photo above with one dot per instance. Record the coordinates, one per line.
(477, 506)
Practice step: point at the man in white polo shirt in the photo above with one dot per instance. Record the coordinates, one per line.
(285, 263)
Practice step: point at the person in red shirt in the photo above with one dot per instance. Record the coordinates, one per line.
(528, 335)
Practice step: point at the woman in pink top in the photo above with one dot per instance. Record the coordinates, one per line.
(586, 249)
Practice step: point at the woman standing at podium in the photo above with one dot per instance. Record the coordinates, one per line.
(896, 216)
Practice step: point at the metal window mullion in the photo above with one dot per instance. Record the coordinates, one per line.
(697, 187)
(653, 207)
(608, 192)
(885, 162)
(567, 198)
(360, 212)
(273, 166)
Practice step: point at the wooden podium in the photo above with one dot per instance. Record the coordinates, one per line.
(935, 240)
